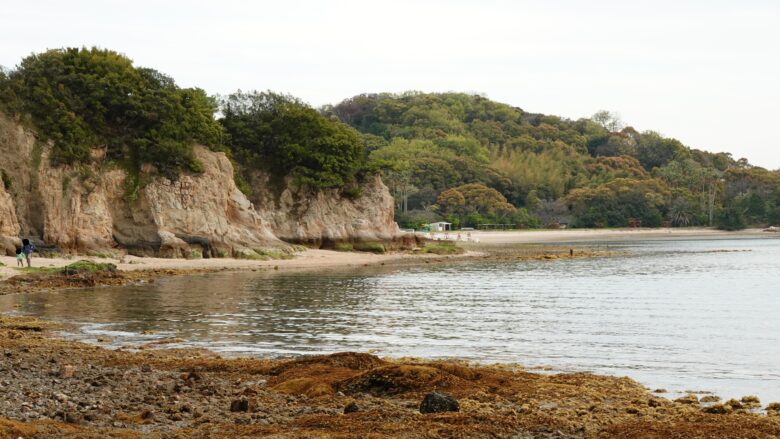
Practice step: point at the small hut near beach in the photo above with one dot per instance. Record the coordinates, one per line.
(440, 226)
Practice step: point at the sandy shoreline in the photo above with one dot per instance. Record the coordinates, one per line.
(322, 259)
(308, 259)
(606, 235)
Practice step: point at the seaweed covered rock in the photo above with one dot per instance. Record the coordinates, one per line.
(399, 379)
(87, 267)
(689, 399)
(349, 360)
(352, 407)
(76, 275)
(436, 402)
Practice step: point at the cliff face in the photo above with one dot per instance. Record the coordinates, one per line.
(302, 215)
(9, 226)
(91, 208)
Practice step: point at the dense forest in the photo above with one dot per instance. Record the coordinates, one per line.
(474, 161)
(453, 156)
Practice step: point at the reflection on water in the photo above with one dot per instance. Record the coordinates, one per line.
(674, 314)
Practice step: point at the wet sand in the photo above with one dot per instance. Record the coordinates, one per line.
(53, 388)
(308, 259)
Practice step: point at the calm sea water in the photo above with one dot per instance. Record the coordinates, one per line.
(681, 315)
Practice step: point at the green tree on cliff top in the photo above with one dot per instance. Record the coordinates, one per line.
(283, 135)
(82, 99)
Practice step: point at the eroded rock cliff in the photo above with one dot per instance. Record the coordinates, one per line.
(92, 208)
(322, 217)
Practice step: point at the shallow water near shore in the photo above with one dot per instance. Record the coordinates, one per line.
(677, 314)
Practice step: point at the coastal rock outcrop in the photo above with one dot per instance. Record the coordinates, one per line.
(9, 225)
(95, 207)
(302, 215)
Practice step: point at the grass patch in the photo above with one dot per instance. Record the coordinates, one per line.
(79, 267)
(442, 248)
(248, 254)
(195, 254)
(343, 247)
(97, 254)
(372, 247)
(273, 254)
(262, 254)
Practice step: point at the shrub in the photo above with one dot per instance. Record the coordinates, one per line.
(343, 247)
(373, 247)
(442, 248)
(730, 218)
(285, 136)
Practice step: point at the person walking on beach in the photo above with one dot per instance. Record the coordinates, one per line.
(19, 257)
(27, 249)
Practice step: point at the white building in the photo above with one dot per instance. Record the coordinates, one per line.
(440, 226)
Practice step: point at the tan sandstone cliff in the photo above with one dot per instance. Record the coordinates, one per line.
(90, 207)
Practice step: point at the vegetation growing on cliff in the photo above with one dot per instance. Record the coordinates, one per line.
(283, 135)
(90, 101)
(592, 172)
(450, 155)
(86, 99)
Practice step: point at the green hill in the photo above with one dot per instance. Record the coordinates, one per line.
(450, 156)
(548, 170)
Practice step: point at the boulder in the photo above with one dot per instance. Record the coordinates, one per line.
(436, 402)
(240, 405)
(352, 407)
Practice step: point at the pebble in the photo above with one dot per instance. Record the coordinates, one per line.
(67, 371)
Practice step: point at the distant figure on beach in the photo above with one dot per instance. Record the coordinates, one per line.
(571, 252)
(19, 257)
(27, 249)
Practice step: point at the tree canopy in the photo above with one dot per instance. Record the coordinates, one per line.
(82, 99)
(281, 134)
(590, 172)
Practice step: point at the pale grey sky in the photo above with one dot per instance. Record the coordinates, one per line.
(705, 72)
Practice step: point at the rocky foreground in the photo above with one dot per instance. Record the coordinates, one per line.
(55, 388)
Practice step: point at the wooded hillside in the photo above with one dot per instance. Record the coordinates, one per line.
(535, 170)
(450, 156)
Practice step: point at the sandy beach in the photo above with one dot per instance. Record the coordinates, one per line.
(584, 235)
(319, 259)
(308, 259)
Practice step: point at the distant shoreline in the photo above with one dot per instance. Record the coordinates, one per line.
(322, 259)
(624, 234)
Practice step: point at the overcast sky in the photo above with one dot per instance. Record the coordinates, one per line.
(706, 72)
